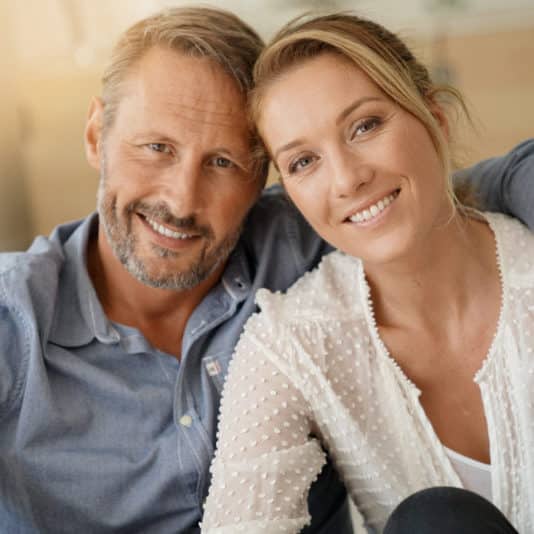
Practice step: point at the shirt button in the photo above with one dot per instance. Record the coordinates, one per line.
(186, 420)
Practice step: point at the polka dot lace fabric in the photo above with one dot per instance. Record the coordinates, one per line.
(310, 368)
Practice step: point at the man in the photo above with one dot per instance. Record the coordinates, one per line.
(117, 331)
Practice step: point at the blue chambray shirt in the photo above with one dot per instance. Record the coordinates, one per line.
(99, 431)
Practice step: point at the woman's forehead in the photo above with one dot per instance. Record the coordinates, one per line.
(318, 90)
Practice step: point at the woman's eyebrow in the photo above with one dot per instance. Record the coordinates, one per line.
(289, 146)
(355, 105)
(342, 116)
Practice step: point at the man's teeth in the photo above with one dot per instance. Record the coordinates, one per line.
(372, 211)
(166, 231)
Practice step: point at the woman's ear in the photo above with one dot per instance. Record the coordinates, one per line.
(93, 133)
(441, 118)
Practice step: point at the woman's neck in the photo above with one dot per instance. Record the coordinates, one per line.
(434, 286)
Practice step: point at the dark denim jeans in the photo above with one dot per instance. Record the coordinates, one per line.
(446, 510)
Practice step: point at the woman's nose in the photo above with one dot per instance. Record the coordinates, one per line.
(349, 173)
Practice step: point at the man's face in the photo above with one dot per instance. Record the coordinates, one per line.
(175, 171)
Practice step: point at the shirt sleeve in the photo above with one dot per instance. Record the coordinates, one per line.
(15, 337)
(280, 239)
(266, 460)
(505, 184)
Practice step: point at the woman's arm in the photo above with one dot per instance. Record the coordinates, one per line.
(505, 184)
(265, 460)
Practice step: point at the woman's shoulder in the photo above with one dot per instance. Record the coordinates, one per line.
(329, 291)
(515, 249)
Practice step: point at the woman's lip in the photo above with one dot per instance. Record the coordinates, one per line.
(368, 204)
(368, 217)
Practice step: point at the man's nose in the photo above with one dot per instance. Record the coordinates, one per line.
(350, 172)
(182, 186)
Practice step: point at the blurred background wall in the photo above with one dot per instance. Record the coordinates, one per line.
(54, 51)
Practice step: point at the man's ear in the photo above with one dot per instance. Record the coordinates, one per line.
(93, 133)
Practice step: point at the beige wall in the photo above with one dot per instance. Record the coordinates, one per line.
(495, 73)
(14, 224)
(494, 70)
(61, 185)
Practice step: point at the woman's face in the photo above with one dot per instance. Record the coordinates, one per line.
(362, 170)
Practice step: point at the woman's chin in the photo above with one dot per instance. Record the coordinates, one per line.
(382, 250)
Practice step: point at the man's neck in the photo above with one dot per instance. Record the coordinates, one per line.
(160, 314)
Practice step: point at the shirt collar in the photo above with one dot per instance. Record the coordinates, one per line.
(237, 276)
(79, 317)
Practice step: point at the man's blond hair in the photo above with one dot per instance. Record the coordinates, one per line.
(202, 32)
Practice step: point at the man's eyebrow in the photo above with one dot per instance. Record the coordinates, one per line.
(242, 156)
(342, 116)
(153, 136)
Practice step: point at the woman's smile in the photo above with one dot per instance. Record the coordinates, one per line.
(353, 160)
(373, 211)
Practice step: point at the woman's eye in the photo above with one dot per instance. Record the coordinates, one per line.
(159, 147)
(365, 126)
(300, 164)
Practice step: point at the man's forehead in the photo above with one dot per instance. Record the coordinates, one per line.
(186, 84)
(180, 108)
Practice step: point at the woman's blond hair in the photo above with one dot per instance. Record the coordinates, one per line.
(381, 54)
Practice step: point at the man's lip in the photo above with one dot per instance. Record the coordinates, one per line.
(187, 232)
(368, 203)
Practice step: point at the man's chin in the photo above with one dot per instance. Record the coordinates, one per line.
(178, 272)
(175, 279)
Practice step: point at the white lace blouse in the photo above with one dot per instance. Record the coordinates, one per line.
(311, 363)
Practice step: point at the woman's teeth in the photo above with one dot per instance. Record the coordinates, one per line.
(372, 211)
(166, 231)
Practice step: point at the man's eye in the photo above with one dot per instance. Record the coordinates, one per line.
(300, 164)
(159, 147)
(223, 163)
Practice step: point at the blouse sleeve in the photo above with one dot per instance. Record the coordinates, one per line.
(266, 460)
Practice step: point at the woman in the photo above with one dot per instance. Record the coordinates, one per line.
(412, 365)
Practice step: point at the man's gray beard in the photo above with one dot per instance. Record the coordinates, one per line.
(123, 244)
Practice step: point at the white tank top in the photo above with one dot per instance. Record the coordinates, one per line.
(475, 476)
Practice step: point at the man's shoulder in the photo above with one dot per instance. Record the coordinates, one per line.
(29, 279)
(38, 263)
(28, 287)
(272, 210)
(276, 234)
(515, 249)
